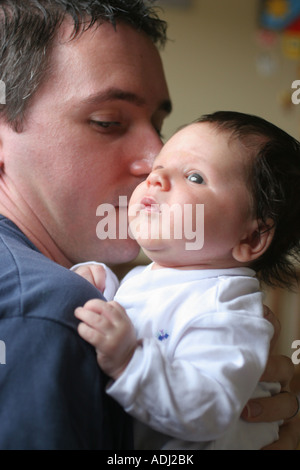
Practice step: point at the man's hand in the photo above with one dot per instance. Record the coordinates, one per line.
(106, 326)
(281, 407)
(289, 434)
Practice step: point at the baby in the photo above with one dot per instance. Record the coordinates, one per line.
(184, 339)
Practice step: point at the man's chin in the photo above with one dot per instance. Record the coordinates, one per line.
(118, 252)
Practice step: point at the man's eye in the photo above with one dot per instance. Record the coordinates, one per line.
(106, 124)
(195, 178)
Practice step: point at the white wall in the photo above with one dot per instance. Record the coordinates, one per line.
(210, 63)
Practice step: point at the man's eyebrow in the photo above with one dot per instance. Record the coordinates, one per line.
(113, 94)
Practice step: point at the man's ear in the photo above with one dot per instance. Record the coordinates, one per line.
(256, 242)
(1, 156)
(2, 129)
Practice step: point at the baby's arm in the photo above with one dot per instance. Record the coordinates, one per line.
(106, 326)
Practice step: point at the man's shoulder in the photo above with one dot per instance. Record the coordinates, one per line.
(34, 286)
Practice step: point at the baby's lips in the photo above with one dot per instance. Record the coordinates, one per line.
(150, 204)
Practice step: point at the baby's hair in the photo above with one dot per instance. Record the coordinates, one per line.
(275, 188)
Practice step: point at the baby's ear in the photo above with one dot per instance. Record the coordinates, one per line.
(255, 242)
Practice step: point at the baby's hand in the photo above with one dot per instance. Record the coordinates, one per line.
(94, 273)
(107, 327)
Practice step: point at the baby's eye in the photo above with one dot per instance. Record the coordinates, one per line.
(195, 178)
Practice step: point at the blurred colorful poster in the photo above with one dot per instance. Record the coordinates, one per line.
(280, 15)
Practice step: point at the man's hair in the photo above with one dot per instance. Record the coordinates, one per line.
(274, 183)
(27, 29)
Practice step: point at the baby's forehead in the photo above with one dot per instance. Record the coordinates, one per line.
(245, 144)
(226, 156)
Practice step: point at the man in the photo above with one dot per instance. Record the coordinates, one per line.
(86, 99)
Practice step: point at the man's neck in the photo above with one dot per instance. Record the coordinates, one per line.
(15, 209)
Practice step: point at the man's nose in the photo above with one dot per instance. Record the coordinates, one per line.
(141, 167)
(145, 151)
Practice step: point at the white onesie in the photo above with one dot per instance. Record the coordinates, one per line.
(204, 348)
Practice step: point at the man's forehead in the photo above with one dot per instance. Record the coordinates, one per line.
(100, 66)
